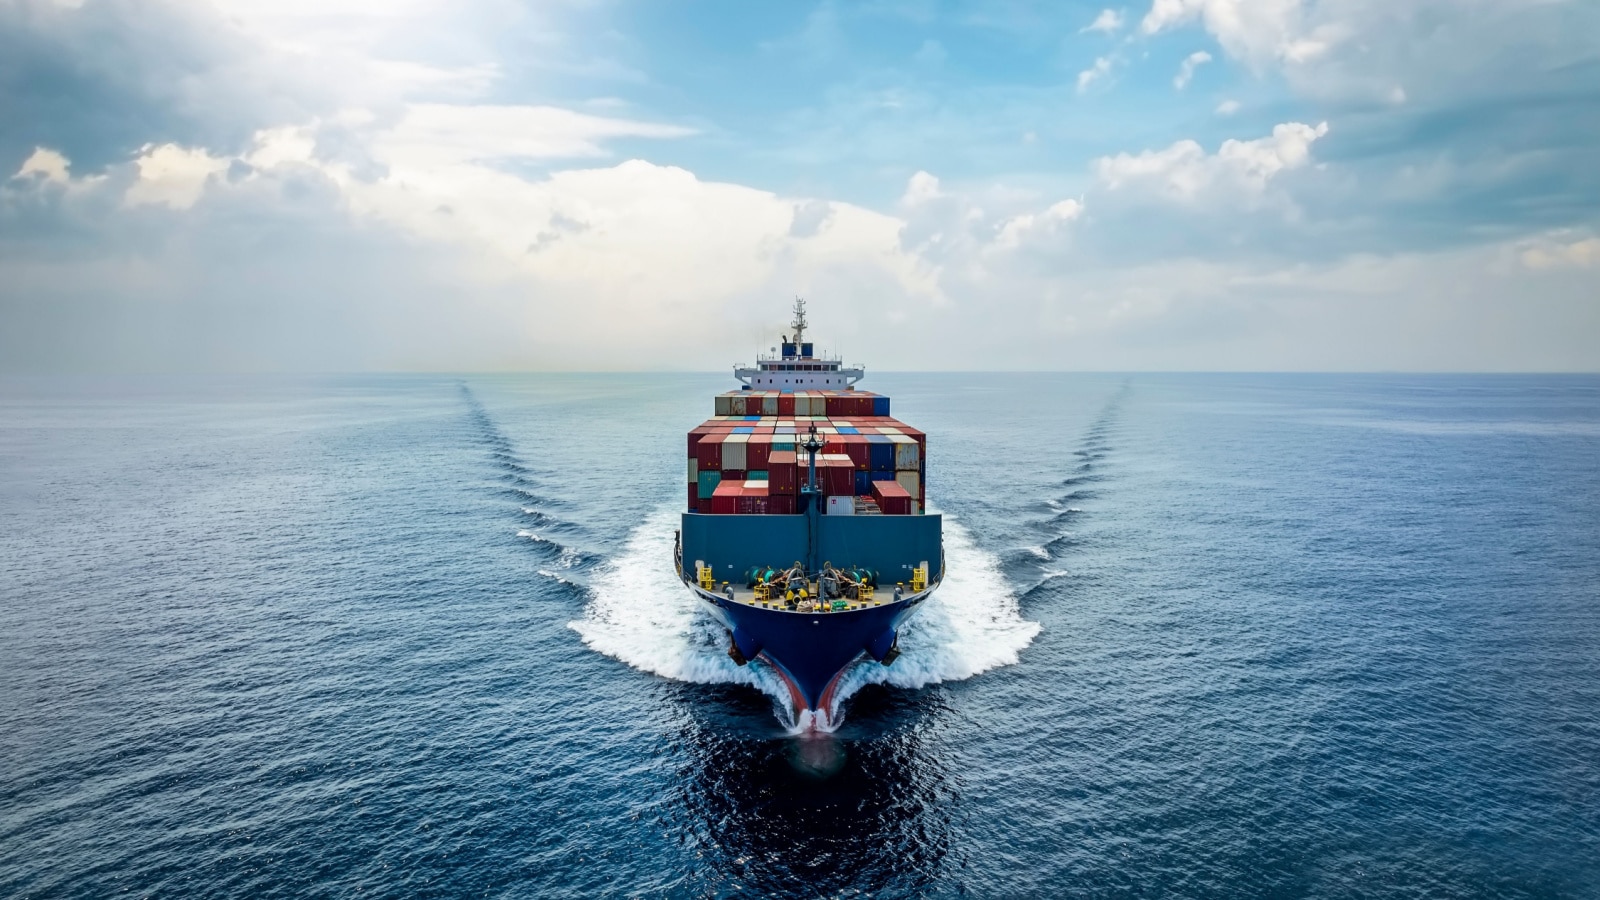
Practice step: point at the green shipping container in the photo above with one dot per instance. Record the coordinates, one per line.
(708, 484)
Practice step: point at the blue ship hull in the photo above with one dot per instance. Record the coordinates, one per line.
(811, 650)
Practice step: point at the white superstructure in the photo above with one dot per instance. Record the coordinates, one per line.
(796, 368)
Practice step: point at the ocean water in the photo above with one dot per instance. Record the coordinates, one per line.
(1203, 636)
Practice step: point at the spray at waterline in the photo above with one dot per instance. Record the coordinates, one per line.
(640, 614)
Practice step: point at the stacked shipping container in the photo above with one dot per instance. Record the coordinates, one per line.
(744, 460)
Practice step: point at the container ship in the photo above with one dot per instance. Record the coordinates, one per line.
(806, 533)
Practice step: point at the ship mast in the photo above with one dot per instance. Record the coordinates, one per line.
(799, 323)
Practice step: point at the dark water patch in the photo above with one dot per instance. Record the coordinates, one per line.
(1067, 515)
(821, 815)
(1061, 543)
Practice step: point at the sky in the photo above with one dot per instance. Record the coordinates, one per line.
(486, 185)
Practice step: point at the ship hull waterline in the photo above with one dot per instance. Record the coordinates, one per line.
(811, 651)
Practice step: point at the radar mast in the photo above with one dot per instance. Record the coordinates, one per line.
(799, 323)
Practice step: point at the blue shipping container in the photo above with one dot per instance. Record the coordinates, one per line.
(880, 406)
(880, 452)
(863, 484)
(883, 476)
(848, 430)
(745, 429)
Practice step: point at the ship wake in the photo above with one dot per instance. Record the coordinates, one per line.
(639, 613)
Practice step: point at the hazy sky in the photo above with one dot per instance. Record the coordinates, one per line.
(465, 185)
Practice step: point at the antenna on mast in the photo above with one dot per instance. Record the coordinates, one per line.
(799, 323)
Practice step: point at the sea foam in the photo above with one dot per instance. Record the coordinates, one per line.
(640, 614)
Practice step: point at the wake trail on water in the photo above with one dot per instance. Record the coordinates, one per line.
(641, 614)
(539, 526)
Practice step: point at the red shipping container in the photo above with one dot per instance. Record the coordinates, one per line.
(780, 505)
(694, 496)
(785, 405)
(725, 500)
(781, 473)
(732, 475)
(858, 449)
(839, 477)
(893, 500)
(703, 506)
(758, 451)
(753, 499)
(695, 436)
(709, 452)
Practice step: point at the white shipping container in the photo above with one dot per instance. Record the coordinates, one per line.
(906, 455)
(733, 451)
(911, 481)
(769, 405)
(724, 405)
(694, 470)
(841, 506)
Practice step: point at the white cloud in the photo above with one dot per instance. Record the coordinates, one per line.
(621, 260)
(920, 189)
(47, 164)
(1109, 21)
(1100, 69)
(1184, 170)
(277, 146)
(1017, 229)
(1186, 71)
(1259, 31)
(435, 134)
(172, 176)
(1557, 252)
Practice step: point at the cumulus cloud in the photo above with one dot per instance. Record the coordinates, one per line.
(1108, 22)
(650, 246)
(1186, 70)
(920, 189)
(1096, 72)
(1016, 230)
(1184, 171)
(172, 176)
(47, 164)
(1259, 32)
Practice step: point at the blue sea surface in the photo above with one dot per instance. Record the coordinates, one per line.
(399, 636)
